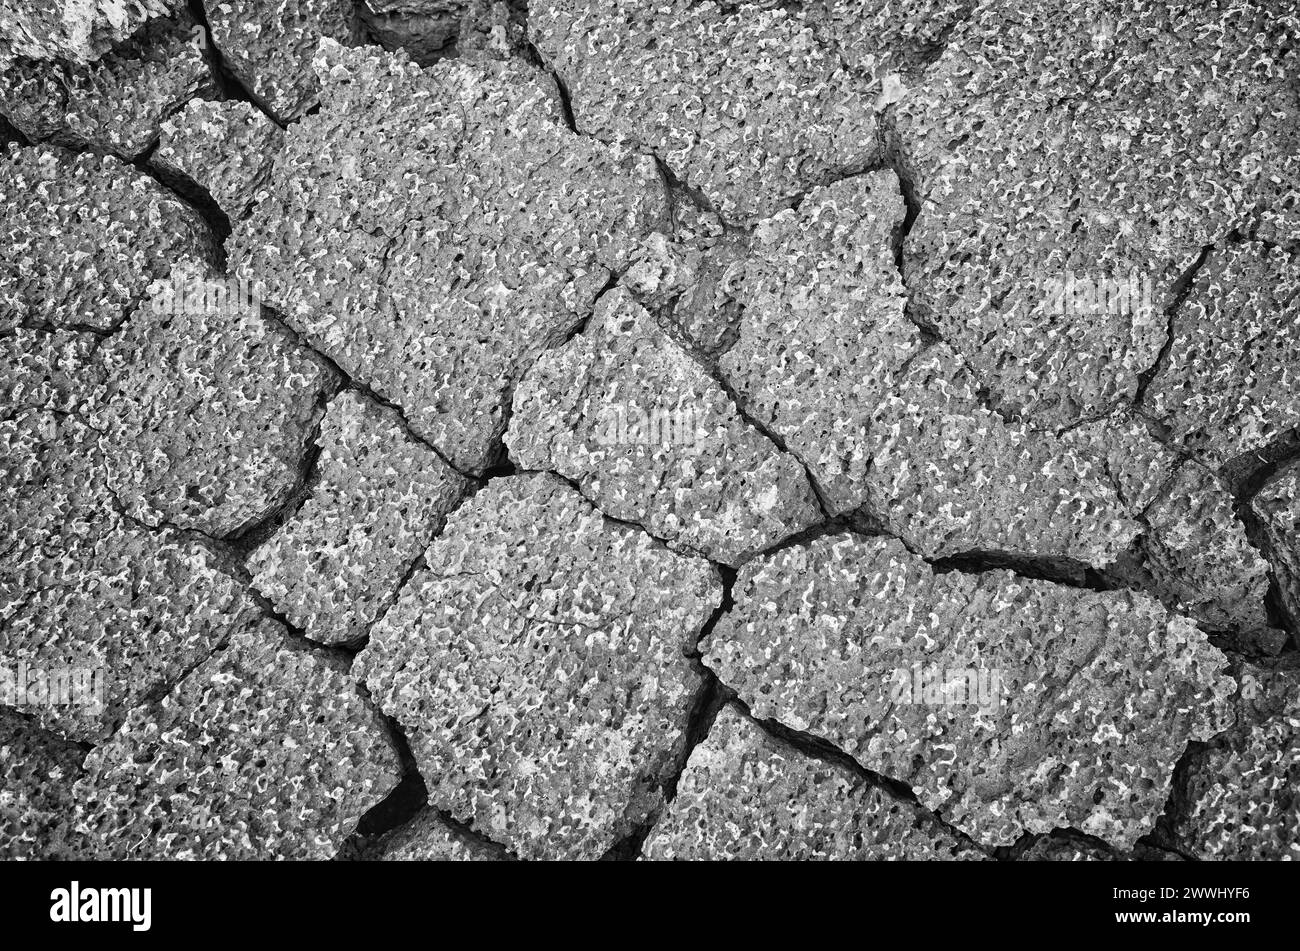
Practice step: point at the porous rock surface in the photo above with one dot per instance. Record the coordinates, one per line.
(76, 30)
(457, 230)
(1085, 700)
(207, 407)
(750, 103)
(227, 148)
(538, 664)
(1241, 790)
(430, 838)
(268, 46)
(1046, 141)
(116, 104)
(579, 429)
(82, 238)
(217, 750)
(84, 586)
(378, 501)
(745, 796)
(652, 438)
(37, 772)
(1278, 505)
(1228, 384)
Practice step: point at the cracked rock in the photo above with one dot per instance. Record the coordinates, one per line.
(117, 103)
(264, 751)
(1240, 796)
(37, 770)
(457, 230)
(426, 29)
(82, 237)
(268, 46)
(538, 665)
(208, 409)
(84, 588)
(1008, 705)
(651, 437)
(1067, 176)
(753, 104)
(227, 148)
(430, 30)
(748, 105)
(951, 476)
(1200, 556)
(77, 30)
(380, 499)
(822, 334)
(827, 359)
(430, 838)
(1278, 506)
(1228, 386)
(745, 796)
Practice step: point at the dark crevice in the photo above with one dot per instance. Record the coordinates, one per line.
(817, 748)
(1063, 571)
(402, 803)
(534, 56)
(254, 535)
(10, 134)
(194, 195)
(1178, 293)
(713, 695)
(351, 383)
(674, 544)
(230, 86)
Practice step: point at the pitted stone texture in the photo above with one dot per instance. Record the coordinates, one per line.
(265, 751)
(82, 237)
(652, 438)
(77, 30)
(1196, 556)
(1050, 849)
(823, 338)
(426, 29)
(952, 476)
(430, 838)
(116, 104)
(1200, 557)
(539, 667)
(1228, 386)
(1097, 694)
(1137, 464)
(208, 409)
(749, 105)
(380, 500)
(747, 797)
(434, 231)
(226, 147)
(889, 41)
(268, 46)
(83, 587)
(47, 369)
(1278, 507)
(37, 770)
(1052, 138)
(826, 358)
(1241, 795)
(430, 30)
